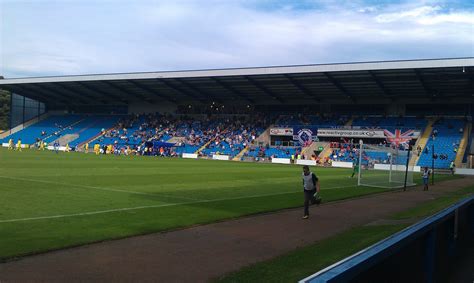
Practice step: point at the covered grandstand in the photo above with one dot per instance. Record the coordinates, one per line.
(232, 111)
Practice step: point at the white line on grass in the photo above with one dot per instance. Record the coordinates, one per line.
(153, 206)
(98, 188)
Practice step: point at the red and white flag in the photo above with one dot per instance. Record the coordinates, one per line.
(398, 137)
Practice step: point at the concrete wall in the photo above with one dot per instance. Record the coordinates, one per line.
(143, 107)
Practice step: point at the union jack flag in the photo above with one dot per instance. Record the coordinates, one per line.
(398, 137)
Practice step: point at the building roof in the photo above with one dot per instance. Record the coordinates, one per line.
(409, 81)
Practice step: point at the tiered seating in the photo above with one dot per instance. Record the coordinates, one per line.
(390, 123)
(288, 120)
(327, 122)
(384, 158)
(311, 120)
(229, 136)
(194, 132)
(282, 152)
(353, 156)
(135, 130)
(51, 125)
(128, 132)
(165, 137)
(223, 148)
(91, 127)
(185, 148)
(235, 136)
(344, 155)
(72, 129)
(197, 133)
(277, 152)
(445, 142)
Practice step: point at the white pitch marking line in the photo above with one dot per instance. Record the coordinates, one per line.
(151, 206)
(98, 188)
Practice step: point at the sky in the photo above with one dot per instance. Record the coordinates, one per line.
(72, 37)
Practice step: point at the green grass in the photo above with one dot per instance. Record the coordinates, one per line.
(302, 262)
(65, 200)
(71, 199)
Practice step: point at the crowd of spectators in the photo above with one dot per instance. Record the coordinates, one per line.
(230, 134)
(268, 152)
(222, 134)
(135, 129)
(235, 134)
(349, 152)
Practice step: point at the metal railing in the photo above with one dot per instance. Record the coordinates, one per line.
(350, 267)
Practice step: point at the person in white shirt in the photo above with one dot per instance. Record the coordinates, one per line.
(310, 189)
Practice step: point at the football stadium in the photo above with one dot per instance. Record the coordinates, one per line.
(195, 176)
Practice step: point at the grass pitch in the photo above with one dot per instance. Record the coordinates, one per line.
(50, 201)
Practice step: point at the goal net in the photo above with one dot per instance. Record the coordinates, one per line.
(384, 167)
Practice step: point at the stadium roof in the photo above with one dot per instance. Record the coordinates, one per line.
(409, 81)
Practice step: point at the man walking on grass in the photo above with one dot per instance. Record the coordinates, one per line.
(310, 189)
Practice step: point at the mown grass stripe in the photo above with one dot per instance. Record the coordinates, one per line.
(152, 206)
(97, 188)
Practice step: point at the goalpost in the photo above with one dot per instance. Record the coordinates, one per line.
(384, 167)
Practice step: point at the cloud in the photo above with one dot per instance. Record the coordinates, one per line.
(80, 37)
(370, 9)
(458, 18)
(408, 14)
(427, 15)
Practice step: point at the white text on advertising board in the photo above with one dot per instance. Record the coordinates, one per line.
(351, 133)
(281, 131)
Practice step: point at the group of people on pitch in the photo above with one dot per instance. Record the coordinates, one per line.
(11, 145)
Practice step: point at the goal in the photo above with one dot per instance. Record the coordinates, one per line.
(384, 167)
